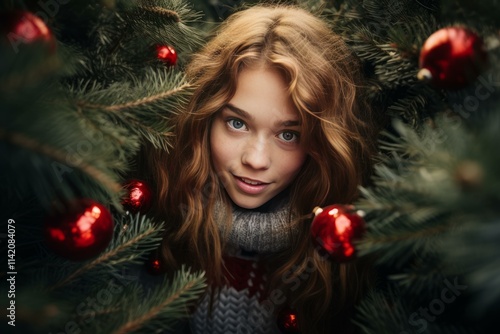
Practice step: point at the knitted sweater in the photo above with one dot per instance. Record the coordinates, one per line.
(239, 307)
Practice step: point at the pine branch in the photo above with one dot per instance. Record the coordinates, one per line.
(162, 12)
(387, 36)
(165, 305)
(143, 107)
(136, 103)
(432, 214)
(381, 313)
(390, 311)
(55, 154)
(128, 246)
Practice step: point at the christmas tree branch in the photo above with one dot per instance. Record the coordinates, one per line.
(148, 232)
(92, 122)
(116, 44)
(184, 288)
(381, 313)
(55, 154)
(163, 12)
(136, 103)
(101, 312)
(154, 311)
(136, 124)
(143, 107)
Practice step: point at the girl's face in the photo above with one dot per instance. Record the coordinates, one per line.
(255, 139)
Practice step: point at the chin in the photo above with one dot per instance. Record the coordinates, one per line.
(246, 203)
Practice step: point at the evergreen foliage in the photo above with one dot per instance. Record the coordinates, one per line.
(73, 120)
(432, 211)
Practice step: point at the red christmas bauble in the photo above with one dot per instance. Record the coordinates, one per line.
(81, 232)
(154, 266)
(20, 27)
(138, 197)
(334, 230)
(452, 58)
(287, 321)
(166, 54)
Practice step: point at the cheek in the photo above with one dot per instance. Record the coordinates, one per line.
(218, 149)
(221, 159)
(291, 165)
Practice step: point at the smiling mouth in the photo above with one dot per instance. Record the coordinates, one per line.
(250, 186)
(251, 182)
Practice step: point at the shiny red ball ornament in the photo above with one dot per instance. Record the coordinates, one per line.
(138, 197)
(452, 58)
(287, 321)
(154, 266)
(166, 54)
(21, 27)
(81, 232)
(334, 230)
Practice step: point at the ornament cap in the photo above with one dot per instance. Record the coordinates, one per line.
(424, 75)
(361, 213)
(317, 210)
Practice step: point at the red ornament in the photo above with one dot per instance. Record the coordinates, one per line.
(334, 229)
(138, 197)
(287, 321)
(80, 233)
(20, 27)
(166, 54)
(452, 58)
(154, 265)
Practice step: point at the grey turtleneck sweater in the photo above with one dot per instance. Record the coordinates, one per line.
(241, 306)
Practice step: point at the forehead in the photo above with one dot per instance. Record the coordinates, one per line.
(263, 89)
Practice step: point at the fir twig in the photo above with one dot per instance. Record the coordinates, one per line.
(122, 247)
(182, 292)
(136, 103)
(165, 13)
(55, 154)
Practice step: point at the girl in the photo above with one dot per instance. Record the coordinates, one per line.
(273, 129)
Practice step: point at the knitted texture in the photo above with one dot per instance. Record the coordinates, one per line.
(264, 232)
(241, 305)
(237, 308)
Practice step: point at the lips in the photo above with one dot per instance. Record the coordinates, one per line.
(251, 182)
(250, 186)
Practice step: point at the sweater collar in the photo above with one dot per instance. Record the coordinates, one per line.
(265, 229)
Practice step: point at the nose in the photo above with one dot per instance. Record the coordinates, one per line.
(256, 154)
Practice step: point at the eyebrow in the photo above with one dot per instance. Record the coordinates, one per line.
(247, 115)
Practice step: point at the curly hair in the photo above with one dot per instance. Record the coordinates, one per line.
(324, 83)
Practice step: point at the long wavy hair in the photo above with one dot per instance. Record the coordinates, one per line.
(324, 83)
